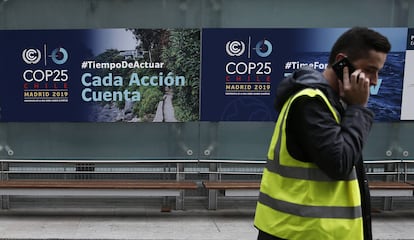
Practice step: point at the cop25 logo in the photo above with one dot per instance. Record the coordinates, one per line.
(58, 55)
(252, 66)
(263, 48)
(236, 48)
(31, 55)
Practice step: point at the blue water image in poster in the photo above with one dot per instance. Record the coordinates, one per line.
(386, 104)
(385, 98)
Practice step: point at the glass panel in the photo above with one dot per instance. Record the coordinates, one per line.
(3, 141)
(103, 140)
(319, 13)
(382, 142)
(44, 14)
(233, 140)
(404, 144)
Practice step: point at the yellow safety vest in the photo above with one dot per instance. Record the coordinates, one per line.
(298, 200)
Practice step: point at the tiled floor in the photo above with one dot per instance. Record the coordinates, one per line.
(232, 222)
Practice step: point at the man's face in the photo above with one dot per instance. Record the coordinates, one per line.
(371, 65)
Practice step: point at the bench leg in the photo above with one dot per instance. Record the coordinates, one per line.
(179, 201)
(4, 201)
(212, 199)
(388, 203)
(213, 194)
(165, 205)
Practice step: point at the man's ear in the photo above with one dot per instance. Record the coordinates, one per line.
(339, 57)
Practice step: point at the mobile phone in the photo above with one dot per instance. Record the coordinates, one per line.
(338, 67)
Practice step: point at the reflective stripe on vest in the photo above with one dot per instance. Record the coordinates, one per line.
(294, 191)
(310, 211)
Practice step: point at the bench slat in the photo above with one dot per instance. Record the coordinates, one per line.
(390, 185)
(256, 185)
(231, 185)
(98, 184)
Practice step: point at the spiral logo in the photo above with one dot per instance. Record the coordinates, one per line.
(31, 55)
(264, 48)
(59, 55)
(235, 48)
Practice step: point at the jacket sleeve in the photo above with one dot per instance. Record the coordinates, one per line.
(313, 135)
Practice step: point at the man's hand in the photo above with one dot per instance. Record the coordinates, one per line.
(354, 89)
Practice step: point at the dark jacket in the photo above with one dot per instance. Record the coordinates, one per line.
(313, 135)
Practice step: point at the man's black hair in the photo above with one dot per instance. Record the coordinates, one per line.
(356, 42)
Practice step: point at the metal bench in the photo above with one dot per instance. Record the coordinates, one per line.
(100, 188)
(391, 189)
(235, 189)
(100, 178)
(231, 189)
(251, 189)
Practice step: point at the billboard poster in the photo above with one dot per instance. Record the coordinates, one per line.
(407, 109)
(241, 69)
(100, 75)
